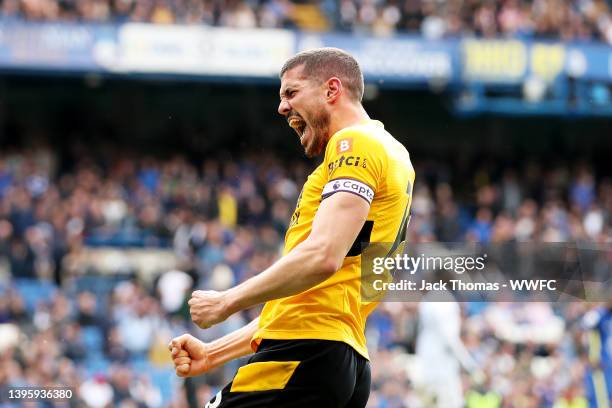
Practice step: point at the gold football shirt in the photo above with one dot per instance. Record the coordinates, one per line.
(367, 161)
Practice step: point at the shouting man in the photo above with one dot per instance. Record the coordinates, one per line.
(309, 342)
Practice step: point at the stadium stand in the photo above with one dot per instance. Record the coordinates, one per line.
(553, 19)
(106, 329)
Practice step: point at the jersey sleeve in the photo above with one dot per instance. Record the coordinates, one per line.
(354, 161)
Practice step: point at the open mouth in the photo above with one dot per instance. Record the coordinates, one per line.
(298, 125)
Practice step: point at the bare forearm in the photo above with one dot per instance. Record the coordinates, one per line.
(232, 346)
(301, 269)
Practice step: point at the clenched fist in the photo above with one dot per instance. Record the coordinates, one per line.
(208, 308)
(189, 355)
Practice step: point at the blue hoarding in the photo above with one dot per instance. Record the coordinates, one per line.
(55, 46)
(402, 59)
(397, 60)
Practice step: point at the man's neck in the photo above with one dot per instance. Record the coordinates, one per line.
(347, 116)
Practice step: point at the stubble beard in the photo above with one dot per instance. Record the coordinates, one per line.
(319, 126)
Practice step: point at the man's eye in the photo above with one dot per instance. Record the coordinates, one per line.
(292, 93)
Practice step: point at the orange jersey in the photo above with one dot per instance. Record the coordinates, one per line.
(367, 161)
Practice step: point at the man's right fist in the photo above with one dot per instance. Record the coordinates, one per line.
(189, 355)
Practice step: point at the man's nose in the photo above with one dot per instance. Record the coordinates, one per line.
(284, 108)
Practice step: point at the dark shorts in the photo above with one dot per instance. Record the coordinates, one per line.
(299, 373)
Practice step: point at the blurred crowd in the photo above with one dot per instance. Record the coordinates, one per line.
(224, 219)
(534, 203)
(222, 209)
(108, 349)
(146, 201)
(567, 20)
(226, 13)
(511, 373)
(554, 19)
(234, 210)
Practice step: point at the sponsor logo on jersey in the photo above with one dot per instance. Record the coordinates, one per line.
(354, 161)
(344, 145)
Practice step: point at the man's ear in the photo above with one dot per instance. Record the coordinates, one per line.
(334, 89)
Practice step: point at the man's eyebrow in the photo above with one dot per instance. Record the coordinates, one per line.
(286, 91)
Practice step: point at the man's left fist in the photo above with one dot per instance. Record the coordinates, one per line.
(208, 307)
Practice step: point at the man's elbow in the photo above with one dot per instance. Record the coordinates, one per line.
(328, 262)
(328, 267)
(324, 261)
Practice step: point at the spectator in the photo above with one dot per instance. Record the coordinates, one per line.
(73, 345)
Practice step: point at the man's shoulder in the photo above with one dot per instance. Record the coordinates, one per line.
(361, 137)
(369, 131)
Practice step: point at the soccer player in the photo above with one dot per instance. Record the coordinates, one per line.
(309, 342)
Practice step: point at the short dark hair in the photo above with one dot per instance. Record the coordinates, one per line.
(324, 63)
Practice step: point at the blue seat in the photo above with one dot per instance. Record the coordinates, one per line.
(162, 378)
(93, 338)
(101, 285)
(96, 363)
(165, 380)
(34, 291)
